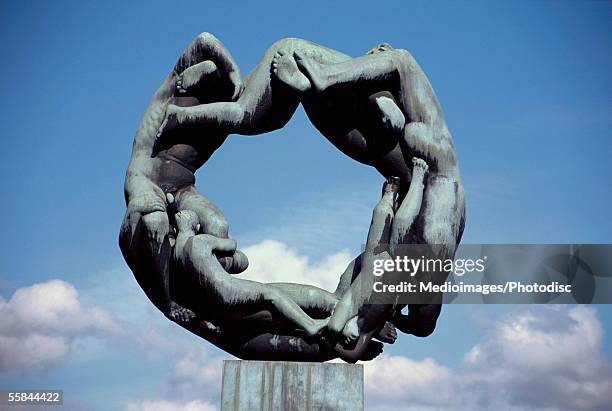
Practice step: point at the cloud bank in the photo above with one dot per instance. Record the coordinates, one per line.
(543, 358)
(39, 324)
(534, 358)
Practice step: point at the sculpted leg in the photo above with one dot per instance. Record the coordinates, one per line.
(378, 235)
(372, 67)
(378, 238)
(157, 228)
(145, 245)
(313, 300)
(244, 341)
(443, 218)
(227, 116)
(195, 253)
(349, 275)
(261, 107)
(410, 206)
(286, 70)
(420, 321)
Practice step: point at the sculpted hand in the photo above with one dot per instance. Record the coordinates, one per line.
(174, 117)
(236, 80)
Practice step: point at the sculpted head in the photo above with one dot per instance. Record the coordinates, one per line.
(380, 48)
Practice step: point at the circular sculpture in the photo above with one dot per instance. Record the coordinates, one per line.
(379, 109)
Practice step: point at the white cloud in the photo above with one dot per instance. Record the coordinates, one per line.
(540, 359)
(163, 405)
(550, 357)
(196, 375)
(143, 328)
(39, 324)
(397, 379)
(273, 261)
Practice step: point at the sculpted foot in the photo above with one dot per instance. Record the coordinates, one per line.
(311, 69)
(190, 80)
(286, 70)
(387, 333)
(419, 168)
(180, 314)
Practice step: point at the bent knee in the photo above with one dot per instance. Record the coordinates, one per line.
(426, 318)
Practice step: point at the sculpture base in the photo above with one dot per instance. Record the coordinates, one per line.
(272, 386)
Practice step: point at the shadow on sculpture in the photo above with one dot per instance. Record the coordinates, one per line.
(379, 109)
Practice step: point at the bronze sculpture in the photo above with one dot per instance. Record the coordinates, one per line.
(379, 109)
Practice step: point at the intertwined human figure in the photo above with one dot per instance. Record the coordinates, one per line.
(379, 109)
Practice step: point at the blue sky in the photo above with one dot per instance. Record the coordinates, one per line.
(525, 87)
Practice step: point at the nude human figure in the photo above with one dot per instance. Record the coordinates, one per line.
(159, 183)
(160, 179)
(239, 298)
(379, 245)
(268, 101)
(266, 104)
(409, 123)
(359, 314)
(245, 301)
(435, 213)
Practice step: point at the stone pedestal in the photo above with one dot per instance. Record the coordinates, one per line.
(291, 386)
